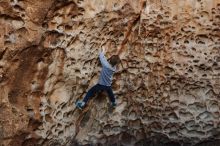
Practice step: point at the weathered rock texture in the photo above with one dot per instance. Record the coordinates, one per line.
(168, 91)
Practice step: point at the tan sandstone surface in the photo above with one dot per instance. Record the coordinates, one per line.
(168, 90)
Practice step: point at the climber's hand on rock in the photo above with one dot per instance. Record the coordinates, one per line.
(103, 49)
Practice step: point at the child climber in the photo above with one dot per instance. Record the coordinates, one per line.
(105, 80)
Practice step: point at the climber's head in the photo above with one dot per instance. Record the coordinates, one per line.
(114, 60)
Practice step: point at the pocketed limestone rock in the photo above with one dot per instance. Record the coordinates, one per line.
(167, 85)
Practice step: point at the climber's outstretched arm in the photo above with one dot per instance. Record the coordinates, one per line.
(102, 58)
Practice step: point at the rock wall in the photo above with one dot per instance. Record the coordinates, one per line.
(167, 91)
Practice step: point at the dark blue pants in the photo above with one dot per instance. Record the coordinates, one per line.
(98, 88)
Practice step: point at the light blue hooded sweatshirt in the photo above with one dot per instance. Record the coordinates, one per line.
(107, 71)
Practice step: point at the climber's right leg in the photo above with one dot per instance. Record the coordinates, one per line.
(111, 96)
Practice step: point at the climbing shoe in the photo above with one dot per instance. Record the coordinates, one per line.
(80, 104)
(114, 104)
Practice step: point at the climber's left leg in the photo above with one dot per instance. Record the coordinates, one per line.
(92, 91)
